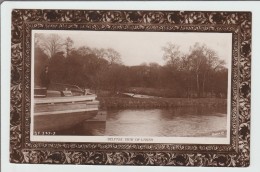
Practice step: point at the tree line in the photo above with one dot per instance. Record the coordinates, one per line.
(198, 73)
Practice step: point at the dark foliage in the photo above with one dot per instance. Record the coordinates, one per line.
(198, 74)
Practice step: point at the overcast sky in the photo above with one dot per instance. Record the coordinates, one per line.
(139, 47)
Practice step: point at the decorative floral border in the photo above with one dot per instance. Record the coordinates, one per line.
(22, 150)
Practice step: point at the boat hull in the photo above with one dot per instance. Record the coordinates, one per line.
(61, 121)
(59, 113)
(64, 107)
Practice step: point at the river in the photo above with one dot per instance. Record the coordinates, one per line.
(175, 122)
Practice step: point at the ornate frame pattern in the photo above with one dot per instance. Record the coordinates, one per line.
(22, 150)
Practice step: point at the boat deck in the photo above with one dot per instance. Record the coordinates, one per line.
(51, 100)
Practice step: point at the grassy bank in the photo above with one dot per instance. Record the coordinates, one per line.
(125, 102)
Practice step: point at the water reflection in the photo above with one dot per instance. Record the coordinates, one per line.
(178, 122)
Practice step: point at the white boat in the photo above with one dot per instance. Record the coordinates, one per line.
(58, 110)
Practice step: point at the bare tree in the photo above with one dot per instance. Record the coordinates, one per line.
(68, 45)
(84, 50)
(100, 53)
(193, 70)
(52, 44)
(187, 74)
(198, 61)
(113, 56)
(172, 54)
(37, 39)
(204, 62)
(213, 63)
(109, 55)
(213, 60)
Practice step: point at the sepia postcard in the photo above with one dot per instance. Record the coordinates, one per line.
(130, 87)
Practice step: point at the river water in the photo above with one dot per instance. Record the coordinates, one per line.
(178, 122)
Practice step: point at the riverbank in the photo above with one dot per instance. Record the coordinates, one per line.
(125, 102)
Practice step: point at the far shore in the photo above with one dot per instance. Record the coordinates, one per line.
(128, 102)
